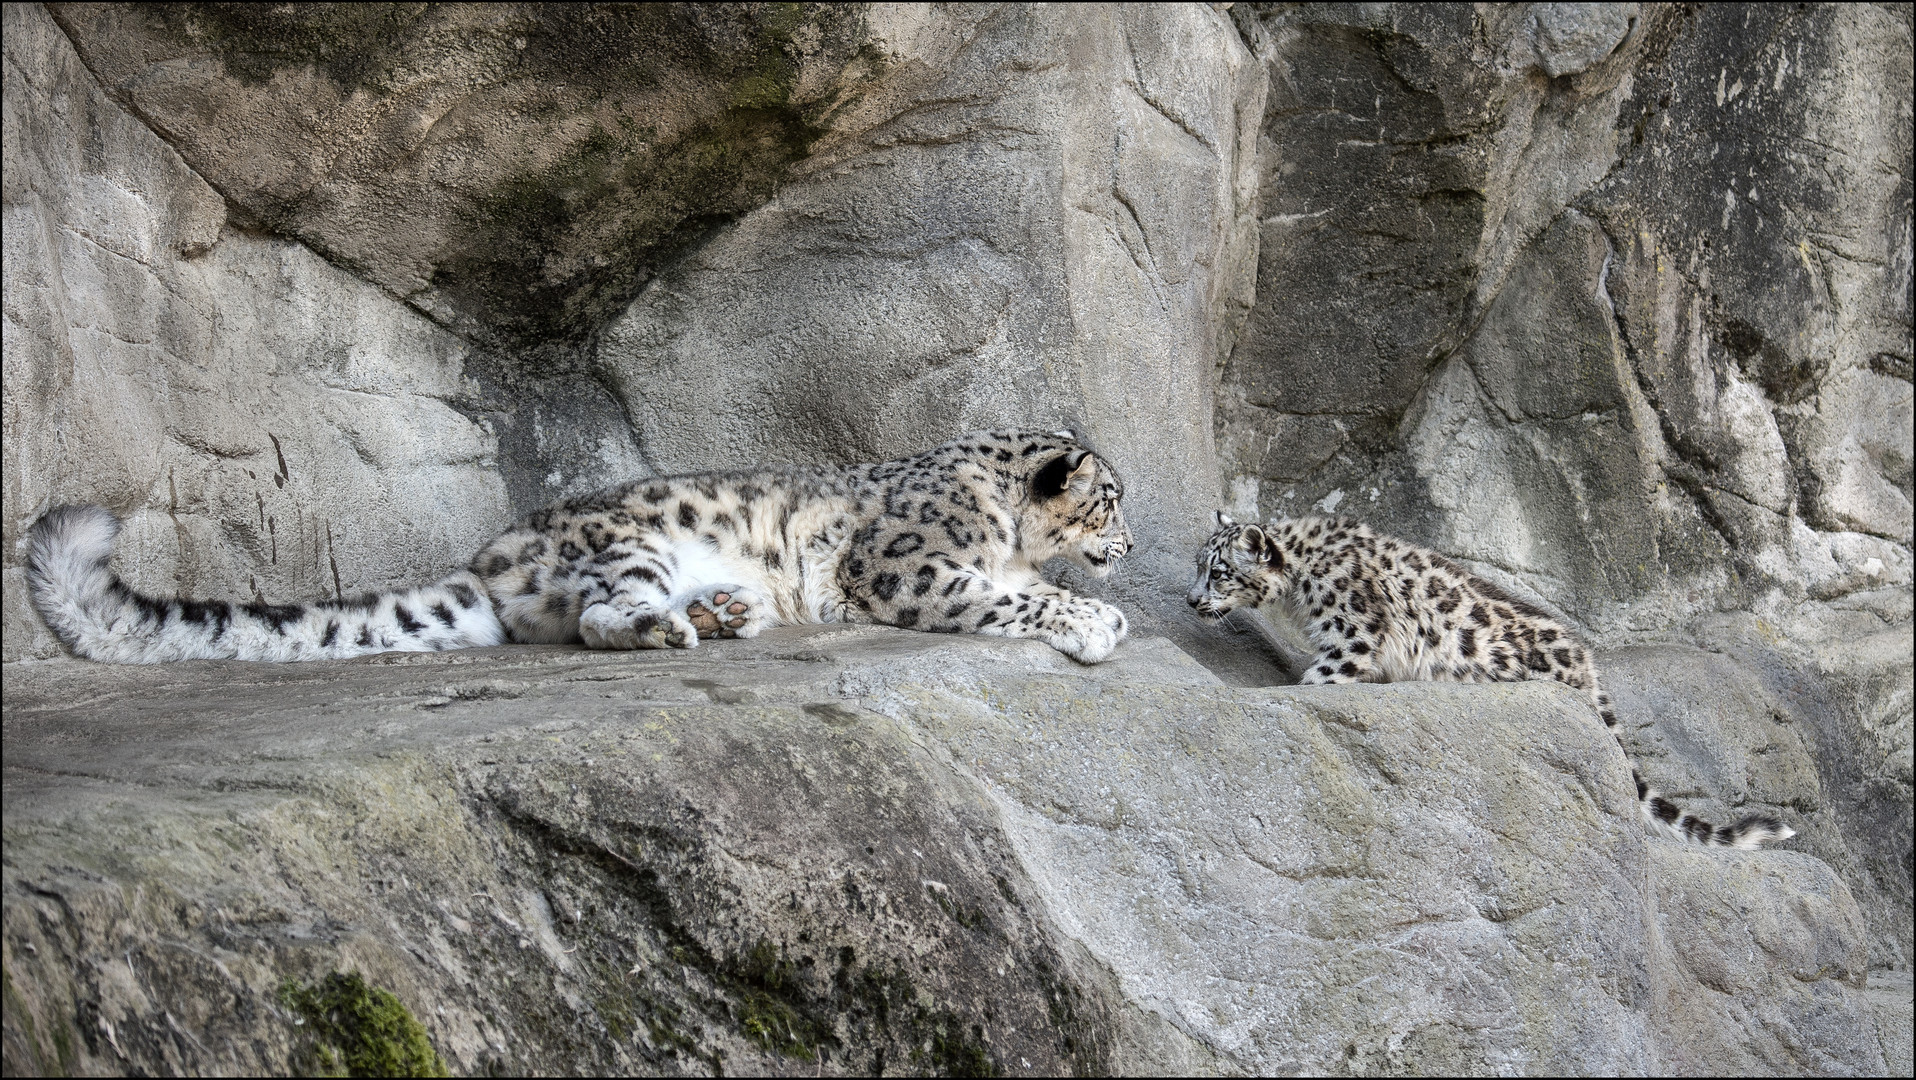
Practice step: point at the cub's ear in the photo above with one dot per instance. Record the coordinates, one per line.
(1224, 519)
(1261, 547)
(1075, 470)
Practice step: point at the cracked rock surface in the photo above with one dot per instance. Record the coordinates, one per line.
(1611, 302)
(855, 849)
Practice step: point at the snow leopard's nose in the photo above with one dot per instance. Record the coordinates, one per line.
(1205, 602)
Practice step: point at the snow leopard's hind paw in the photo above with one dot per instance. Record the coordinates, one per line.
(609, 626)
(726, 611)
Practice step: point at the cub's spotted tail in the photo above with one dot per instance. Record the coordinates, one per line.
(1672, 820)
(100, 618)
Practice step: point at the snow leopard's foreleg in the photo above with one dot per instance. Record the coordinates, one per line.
(943, 597)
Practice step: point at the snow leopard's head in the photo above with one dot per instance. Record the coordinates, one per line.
(1074, 512)
(1238, 566)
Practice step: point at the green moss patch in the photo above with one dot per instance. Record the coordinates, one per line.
(356, 45)
(359, 1030)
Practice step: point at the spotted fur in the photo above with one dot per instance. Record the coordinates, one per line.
(950, 540)
(1379, 609)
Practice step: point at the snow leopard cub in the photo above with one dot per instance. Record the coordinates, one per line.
(1379, 609)
(949, 540)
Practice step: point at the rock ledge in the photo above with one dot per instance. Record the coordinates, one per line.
(857, 849)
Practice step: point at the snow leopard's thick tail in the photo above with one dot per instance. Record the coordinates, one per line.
(1672, 820)
(100, 618)
(1669, 818)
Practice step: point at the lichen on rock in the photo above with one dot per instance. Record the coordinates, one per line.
(358, 1030)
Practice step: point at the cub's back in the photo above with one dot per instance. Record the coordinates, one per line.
(1425, 616)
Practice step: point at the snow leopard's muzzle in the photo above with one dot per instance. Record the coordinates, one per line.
(1107, 548)
(1207, 604)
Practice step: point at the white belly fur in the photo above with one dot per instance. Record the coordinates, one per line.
(804, 589)
(699, 567)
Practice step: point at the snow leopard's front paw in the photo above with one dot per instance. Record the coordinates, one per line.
(1084, 633)
(1085, 641)
(1107, 614)
(727, 611)
(607, 626)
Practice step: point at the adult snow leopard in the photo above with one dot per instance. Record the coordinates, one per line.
(1380, 609)
(949, 540)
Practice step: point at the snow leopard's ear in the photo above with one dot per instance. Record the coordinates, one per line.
(1252, 540)
(1224, 519)
(1267, 549)
(1076, 470)
(1084, 474)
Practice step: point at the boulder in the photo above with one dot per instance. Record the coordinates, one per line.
(861, 849)
(1610, 302)
(517, 170)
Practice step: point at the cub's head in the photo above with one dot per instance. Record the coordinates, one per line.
(1074, 512)
(1238, 566)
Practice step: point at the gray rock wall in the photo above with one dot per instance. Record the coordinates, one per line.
(1041, 215)
(1523, 307)
(1007, 216)
(267, 422)
(1612, 302)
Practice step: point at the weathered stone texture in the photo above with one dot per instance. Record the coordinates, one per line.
(1034, 215)
(1613, 302)
(268, 422)
(958, 852)
(518, 170)
(1610, 301)
(1722, 390)
(1040, 214)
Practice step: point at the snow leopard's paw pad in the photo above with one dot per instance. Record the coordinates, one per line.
(726, 611)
